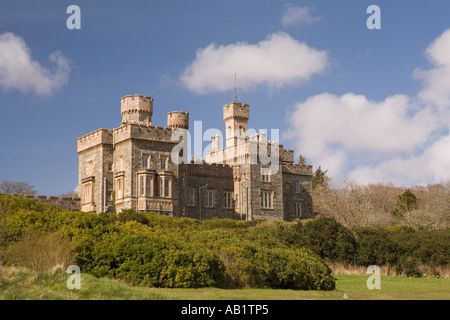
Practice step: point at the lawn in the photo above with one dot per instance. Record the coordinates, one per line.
(20, 284)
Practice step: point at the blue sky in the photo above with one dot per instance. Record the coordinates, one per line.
(368, 105)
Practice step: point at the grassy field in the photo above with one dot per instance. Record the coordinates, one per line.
(21, 284)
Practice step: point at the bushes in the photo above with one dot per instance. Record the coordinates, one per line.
(156, 250)
(329, 239)
(403, 248)
(275, 268)
(39, 251)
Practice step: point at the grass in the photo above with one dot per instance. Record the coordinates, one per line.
(21, 284)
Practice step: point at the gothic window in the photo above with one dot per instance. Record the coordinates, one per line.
(298, 209)
(119, 188)
(266, 199)
(163, 161)
(145, 161)
(228, 199)
(209, 198)
(164, 187)
(145, 186)
(191, 197)
(148, 186)
(87, 192)
(265, 174)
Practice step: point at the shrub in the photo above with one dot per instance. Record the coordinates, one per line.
(329, 239)
(39, 252)
(276, 268)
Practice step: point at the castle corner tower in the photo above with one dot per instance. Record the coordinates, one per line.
(236, 117)
(137, 109)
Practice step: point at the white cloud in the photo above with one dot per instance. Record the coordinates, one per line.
(402, 140)
(277, 61)
(295, 16)
(19, 71)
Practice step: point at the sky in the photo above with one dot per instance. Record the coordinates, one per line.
(369, 105)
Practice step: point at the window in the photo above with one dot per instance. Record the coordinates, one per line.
(121, 163)
(266, 199)
(90, 168)
(145, 161)
(163, 161)
(164, 187)
(297, 187)
(265, 175)
(145, 186)
(142, 186)
(228, 199)
(148, 186)
(237, 200)
(110, 166)
(119, 188)
(298, 209)
(209, 198)
(191, 197)
(87, 192)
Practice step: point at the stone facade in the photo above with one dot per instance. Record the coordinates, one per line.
(132, 167)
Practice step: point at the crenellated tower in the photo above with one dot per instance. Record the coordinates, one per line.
(236, 117)
(178, 119)
(137, 109)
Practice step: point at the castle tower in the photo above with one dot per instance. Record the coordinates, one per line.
(236, 116)
(137, 109)
(178, 119)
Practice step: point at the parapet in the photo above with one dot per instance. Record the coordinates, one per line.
(136, 109)
(100, 136)
(236, 110)
(178, 119)
(63, 202)
(141, 132)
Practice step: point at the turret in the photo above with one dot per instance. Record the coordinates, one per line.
(137, 109)
(178, 119)
(236, 116)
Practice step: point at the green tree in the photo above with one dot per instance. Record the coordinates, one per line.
(302, 160)
(406, 202)
(320, 178)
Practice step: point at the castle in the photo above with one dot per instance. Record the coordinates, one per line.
(137, 166)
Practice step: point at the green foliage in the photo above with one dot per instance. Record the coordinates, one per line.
(329, 239)
(406, 202)
(149, 249)
(320, 178)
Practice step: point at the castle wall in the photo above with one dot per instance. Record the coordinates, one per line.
(297, 188)
(227, 186)
(218, 179)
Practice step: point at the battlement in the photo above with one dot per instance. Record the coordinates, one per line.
(136, 109)
(143, 132)
(295, 168)
(236, 110)
(100, 136)
(69, 203)
(178, 119)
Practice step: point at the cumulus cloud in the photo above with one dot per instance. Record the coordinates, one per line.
(402, 139)
(296, 15)
(277, 61)
(19, 71)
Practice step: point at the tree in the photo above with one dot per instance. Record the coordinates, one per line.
(15, 187)
(320, 178)
(406, 202)
(301, 160)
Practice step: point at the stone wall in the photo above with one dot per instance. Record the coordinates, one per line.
(69, 203)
